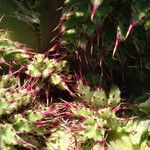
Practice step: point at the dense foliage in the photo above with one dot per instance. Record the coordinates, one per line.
(80, 77)
(111, 40)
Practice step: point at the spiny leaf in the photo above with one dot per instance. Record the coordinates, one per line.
(95, 6)
(99, 98)
(5, 135)
(114, 96)
(145, 107)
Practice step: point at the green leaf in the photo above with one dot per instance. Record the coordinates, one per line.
(21, 124)
(99, 98)
(84, 91)
(3, 106)
(140, 9)
(114, 96)
(85, 112)
(5, 135)
(4, 146)
(124, 143)
(58, 138)
(137, 129)
(92, 133)
(34, 116)
(145, 107)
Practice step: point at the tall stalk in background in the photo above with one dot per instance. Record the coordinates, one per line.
(31, 22)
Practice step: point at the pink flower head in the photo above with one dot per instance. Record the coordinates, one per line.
(95, 6)
(131, 28)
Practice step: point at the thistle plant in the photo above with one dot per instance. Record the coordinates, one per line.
(109, 43)
(17, 93)
(133, 136)
(37, 66)
(29, 128)
(91, 50)
(98, 113)
(92, 123)
(13, 95)
(12, 53)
